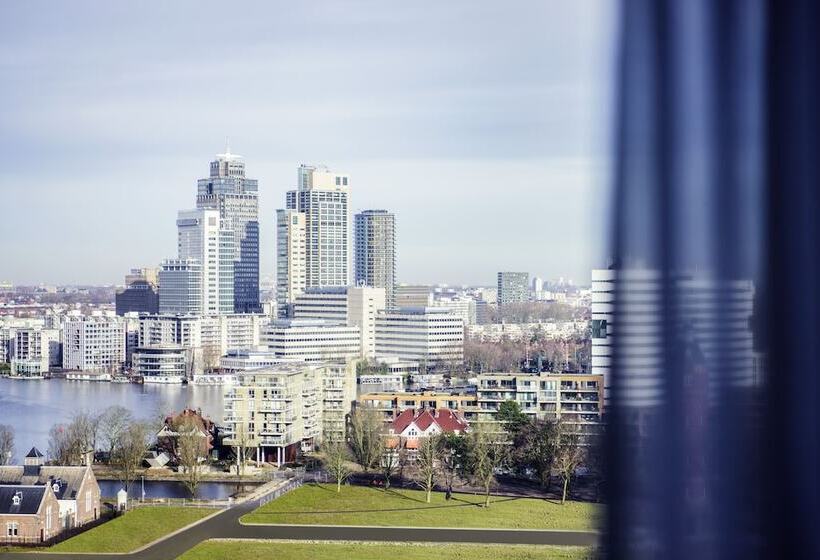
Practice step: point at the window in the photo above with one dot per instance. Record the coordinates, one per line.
(599, 328)
(12, 529)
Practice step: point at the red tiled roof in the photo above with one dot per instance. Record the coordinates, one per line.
(447, 420)
(403, 420)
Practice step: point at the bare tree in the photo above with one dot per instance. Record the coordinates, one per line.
(113, 422)
(426, 464)
(130, 451)
(391, 459)
(84, 428)
(6, 444)
(241, 448)
(336, 458)
(365, 433)
(570, 456)
(452, 452)
(191, 446)
(487, 453)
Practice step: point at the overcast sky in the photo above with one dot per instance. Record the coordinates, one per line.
(485, 126)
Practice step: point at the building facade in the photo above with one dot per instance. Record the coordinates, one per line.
(236, 198)
(513, 287)
(375, 252)
(291, 259)
(33, 351)
(431, 336)
(181, 287)
(94, 343)
(312, 340)
(161, 363)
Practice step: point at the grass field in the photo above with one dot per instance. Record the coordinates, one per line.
(258, 550)
(357, 505)
(133, 530)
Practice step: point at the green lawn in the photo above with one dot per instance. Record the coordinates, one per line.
(256, 550)
(358, 505)
(133, 530)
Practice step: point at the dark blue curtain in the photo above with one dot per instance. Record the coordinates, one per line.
(714, 392)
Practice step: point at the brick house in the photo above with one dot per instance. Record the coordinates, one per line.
(412, 425)
(75, 488)
(28, 514)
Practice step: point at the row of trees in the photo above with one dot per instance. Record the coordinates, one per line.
(507, 354)
(536, 311)
(440, 460)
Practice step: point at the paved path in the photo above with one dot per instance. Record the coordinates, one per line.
(225, 525)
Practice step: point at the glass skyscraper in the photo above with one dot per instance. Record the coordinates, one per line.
(237, 199)
(376, 251)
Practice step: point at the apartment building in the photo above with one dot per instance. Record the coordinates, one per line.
(575, 399)
(290, 408)
(391, 404)
(312, 340)
(33, 351)
(94, 343)
(161, 363)
(513, 287)
(432, 336)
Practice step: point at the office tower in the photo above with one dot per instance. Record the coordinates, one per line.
(207, 238)
(236, 197)
(432, 336)
(291, 259)
(180, 287)
(409, 295)
(322, 196)
(141, 293)
(312, 340)
(513, 287)
(94, 343)
(376, 251)
(352, 306)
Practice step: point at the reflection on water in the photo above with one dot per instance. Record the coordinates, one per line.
(169, 489)
(31, 407)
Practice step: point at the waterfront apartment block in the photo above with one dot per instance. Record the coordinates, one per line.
(351, 306)
(312, 340)
(375, 252)
(161, 363)
(513, 287)
(94, 343)
(33, 351)
(431, 336)
(287, 409)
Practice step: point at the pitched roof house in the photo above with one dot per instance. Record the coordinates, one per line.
(411, 425)
(28, 513)
(75, 488)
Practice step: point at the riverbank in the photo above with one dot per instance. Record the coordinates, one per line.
(260, 476)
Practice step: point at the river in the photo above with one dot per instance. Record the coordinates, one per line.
(31, 407)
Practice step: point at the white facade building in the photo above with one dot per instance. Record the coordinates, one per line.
(352, 306)
(161, 364)
(432, 336)
(312, 340)
(33, 351)
(94, 343)
(291, 259)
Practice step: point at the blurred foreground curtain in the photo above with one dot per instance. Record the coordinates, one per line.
(714, 388)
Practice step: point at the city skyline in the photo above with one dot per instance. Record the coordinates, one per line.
(448, 125)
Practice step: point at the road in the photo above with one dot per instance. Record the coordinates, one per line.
(225, 525)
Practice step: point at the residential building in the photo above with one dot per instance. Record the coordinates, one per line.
(28, 514)
(291, 259)
(432, 336)
(513, 287)
(247, 359)
(289, 408)
(94, 343)
(312, 340)
(352, 306)
(201, 426)
(575, 399)
(411, 426)
(375, 256)
(236, 197)
(413, 295)
(75, 490)
(391, 404)
(181, 289)
(322, 196)
(161, 363)
(33, 351)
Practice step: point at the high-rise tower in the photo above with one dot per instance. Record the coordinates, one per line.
(376, 251)
(237, 198)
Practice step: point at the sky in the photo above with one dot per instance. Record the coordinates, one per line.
(485, 126)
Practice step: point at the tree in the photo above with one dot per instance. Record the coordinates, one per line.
(84, 428)
(6, 444)
(392, 458)
(189, 450)
(241, 448)
(130, 451)
(452, 455)
(365, 432)
(426, 464)
(509, 412)
(535, 448)
(487, 453)
(570, 456)
(336, 458)
(113, 422)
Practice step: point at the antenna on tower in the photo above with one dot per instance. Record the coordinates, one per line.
(227, 145)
